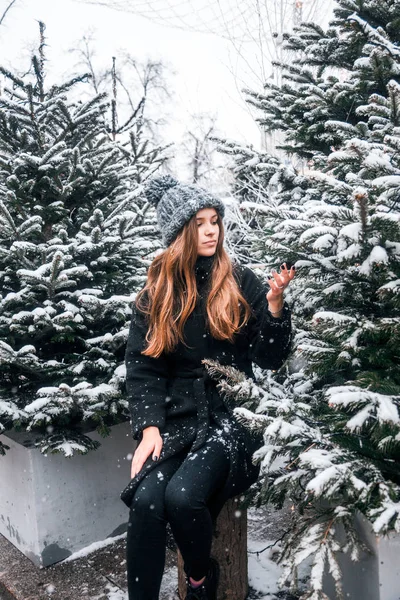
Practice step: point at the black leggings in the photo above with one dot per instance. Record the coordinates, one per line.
(178, 491)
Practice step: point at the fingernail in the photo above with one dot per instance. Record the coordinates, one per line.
(283, 267)
(294, 268)
(269, 276)
(155, 457)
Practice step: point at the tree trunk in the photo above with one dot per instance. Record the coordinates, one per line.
(229, 548)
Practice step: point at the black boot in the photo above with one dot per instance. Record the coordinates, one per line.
(208, 589)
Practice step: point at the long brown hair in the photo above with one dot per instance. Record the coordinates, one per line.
(170, 293)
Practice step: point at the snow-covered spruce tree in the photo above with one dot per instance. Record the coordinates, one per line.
(336, 422)
(75, 235)
(258, 179)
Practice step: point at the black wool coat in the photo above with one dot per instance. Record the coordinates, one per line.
(175, 393)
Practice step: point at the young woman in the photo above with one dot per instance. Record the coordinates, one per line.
(192, 454)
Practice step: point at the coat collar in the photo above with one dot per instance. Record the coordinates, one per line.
(203, 267)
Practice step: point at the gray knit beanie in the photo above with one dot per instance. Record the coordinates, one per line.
(177, 203)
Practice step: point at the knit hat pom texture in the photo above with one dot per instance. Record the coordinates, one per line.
(156, 188)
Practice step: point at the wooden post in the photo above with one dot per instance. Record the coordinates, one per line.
(229, 548)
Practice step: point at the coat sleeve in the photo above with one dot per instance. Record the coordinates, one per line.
(269, 337)
(146, 379)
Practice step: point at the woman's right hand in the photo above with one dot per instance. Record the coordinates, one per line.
(151, 444)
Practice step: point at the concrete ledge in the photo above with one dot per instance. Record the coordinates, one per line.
(376, 576)
(58, 505)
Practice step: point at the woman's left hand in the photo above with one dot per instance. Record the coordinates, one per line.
(278, 282)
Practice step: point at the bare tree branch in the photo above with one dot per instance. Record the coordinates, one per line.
(197, 147)
(85, 50)
(11, 4)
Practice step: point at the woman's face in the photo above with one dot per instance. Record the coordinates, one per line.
(208, 231)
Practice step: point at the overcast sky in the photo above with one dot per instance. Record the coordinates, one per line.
(209, 73)
(203, 82)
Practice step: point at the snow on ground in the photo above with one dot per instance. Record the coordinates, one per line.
(93, 547)
(169, 584)
(263, 572)
(263, 575)
(113, 593)
(265, 526)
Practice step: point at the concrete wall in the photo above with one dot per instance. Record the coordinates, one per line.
(376, 576)
(52, 506)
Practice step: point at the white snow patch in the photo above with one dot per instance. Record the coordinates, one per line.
(113, 593)
(387, 181)
(351, 231)
(93, 547)
(378, 255)
(263, 572)
(381, 405)
(336, 288)
(169, 584)
(327, 315)
(391, 285)
(391, 509)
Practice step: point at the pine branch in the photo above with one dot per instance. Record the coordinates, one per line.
(216, 370)
(277, 541)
